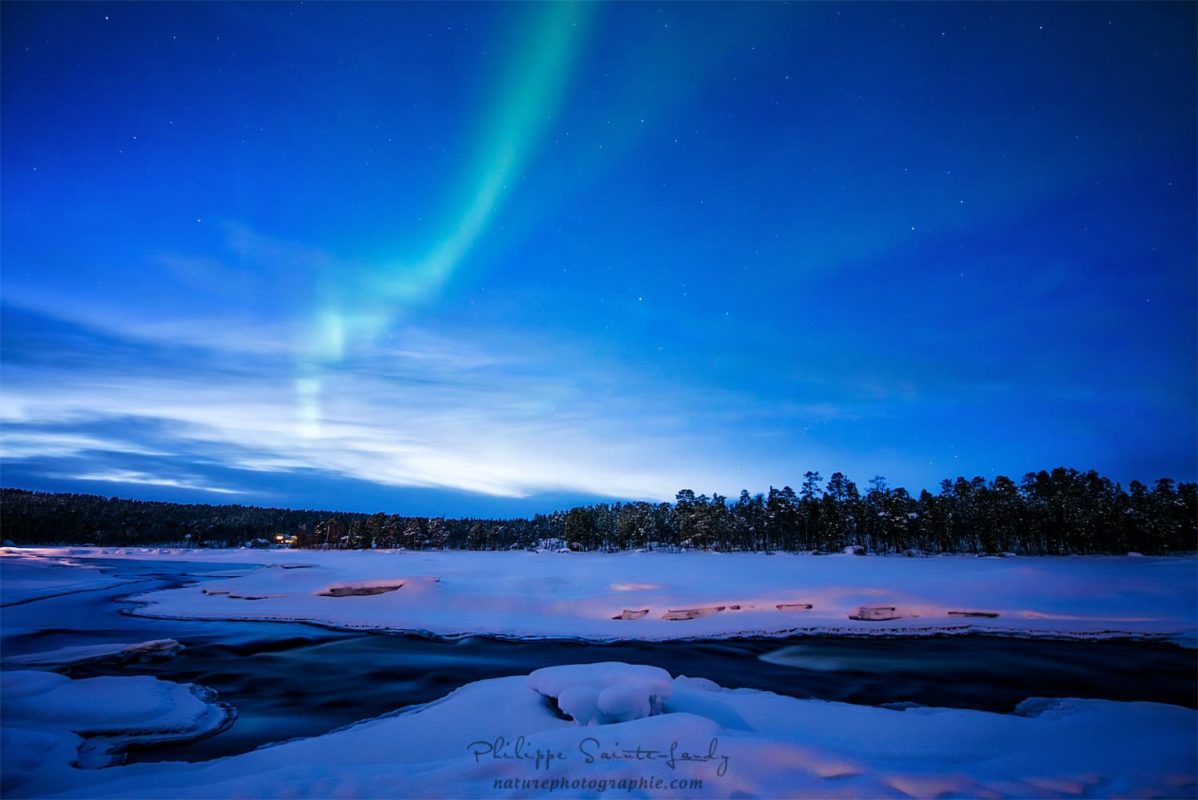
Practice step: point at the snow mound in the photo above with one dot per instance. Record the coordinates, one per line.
(605, 693)
(97, 719)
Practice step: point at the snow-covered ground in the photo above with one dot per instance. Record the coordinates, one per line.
(47, 573)
(657, 596)
(649, 736)
(604, 730)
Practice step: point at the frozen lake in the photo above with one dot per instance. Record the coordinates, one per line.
(288, 680)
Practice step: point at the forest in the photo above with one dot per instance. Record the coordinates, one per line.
(1056, 512)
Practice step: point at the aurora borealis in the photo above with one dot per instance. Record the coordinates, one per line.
(474, 258)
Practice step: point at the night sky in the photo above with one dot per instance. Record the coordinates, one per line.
(488, 259)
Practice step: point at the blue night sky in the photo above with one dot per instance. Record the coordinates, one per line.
(468, 259)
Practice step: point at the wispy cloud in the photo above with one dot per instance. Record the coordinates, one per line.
(17, 444)
(126, 476)
(419, 409)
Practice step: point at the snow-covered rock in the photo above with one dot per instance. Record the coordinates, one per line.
(87, 653)
(876, 614)
(604, 693)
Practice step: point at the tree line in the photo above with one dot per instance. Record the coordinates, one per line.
(1048, 513)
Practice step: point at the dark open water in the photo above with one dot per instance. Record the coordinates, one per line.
(288, 680)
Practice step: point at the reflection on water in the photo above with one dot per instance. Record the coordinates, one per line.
(289, 680)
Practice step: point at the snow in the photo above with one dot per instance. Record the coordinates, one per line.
(604, 693)
(589, 730)
(493, 738)
(684, 595)
(100, 705)
(43, 574)
(85, 653)
(51, 718)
